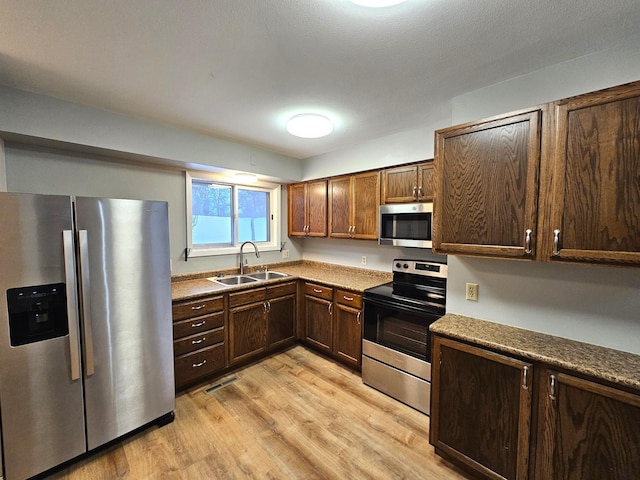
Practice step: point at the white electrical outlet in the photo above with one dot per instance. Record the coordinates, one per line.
(364, 260)
(285, 253)
(472, 292)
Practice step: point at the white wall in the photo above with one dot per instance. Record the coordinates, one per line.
(37, 170)
(42, 117)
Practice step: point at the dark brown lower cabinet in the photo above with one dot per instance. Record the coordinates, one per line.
(318, 315)
(482, 418)
(481, 409)
(589, 431)
(347, 340)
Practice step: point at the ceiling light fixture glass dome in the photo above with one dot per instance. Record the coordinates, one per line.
(309, 125)
(377, 3)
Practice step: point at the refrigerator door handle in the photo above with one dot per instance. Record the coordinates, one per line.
(72, 303)
(83, 242)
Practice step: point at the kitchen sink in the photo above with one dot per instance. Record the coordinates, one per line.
(234, 280)
(267, 275)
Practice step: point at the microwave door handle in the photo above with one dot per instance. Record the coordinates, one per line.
(72, 303)
(85, 285)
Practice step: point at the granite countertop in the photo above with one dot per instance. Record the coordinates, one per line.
(615, 366)
(357, 279)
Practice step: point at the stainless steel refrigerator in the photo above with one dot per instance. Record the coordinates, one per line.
(85, 325)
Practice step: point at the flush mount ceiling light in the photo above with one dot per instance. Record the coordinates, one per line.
(377, 3)
(309, 125)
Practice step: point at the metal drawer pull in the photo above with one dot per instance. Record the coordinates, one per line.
(358, 317)
(525, 378)
(348, 299)
(199, 324)
(195, 342)
(196, 365)
(527, 241)
(317, 290)
(552, 388)
(199, 307)
(556, 242)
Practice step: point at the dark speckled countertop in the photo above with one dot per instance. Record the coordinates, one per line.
(615, 366)
(357, 279)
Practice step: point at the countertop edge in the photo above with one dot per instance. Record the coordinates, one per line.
(614, 366)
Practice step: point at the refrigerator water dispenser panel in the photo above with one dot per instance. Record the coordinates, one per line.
(37, 313)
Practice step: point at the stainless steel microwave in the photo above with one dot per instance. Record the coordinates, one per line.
(406, 225)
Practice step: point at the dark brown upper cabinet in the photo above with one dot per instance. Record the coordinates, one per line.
(408, 183)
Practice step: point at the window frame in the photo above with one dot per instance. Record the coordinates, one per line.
(274, 226)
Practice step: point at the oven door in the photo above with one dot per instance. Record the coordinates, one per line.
(402, 328)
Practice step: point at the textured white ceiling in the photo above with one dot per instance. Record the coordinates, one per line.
(237, 69)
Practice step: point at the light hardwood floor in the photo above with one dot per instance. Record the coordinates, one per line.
(295, 415)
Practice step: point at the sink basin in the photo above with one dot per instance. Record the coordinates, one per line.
(234, 280)
(267, 275)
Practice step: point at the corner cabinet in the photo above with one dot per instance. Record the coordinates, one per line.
(487, 186)
(481, 409)
(353, 206)
(408, 183)
(307, 209)
(557, 182)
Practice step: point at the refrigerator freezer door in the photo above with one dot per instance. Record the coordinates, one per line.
(40, 403)
(126, 303)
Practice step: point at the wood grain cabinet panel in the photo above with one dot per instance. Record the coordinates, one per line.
(307, 215)
(353, 206)
(408, 184)
(487, 186)
(588, 431)
(319, 322)
(348, 334)
(247, 331)
(596, 195)
(481, 409)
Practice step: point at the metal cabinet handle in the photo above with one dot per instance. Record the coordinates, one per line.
(419, 193)
(196, 365)
(358, 317)
(553, 387)
(199, 307)
(199, 324)
(525, 378)
(556, 242)
(330, 308)
(415, 192)
(267, 305)
(348, 299)
(317, 290)
(196, 342)
(72, 312)
(527, 241)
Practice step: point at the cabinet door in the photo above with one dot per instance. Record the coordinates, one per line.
(481, 409)
(588, 431)
(596, 194)
(366, 200)
(281, 328)
(425, 182)
(247, 331)
(340, 207)
(318, 316)
(317, 209)
(400, 184)
(487, 186)
(348, 334)
(297, 198)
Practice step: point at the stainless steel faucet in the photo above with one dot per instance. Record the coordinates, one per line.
(242, 255)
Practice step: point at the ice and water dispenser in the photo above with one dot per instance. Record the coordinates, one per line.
(37, 313)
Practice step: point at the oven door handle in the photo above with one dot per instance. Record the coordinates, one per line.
(399, 305)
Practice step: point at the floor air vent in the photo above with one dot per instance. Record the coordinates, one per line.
(220, 385)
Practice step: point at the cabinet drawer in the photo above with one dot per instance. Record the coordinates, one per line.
(318, 291)
(348, 298)
(191, 326)
(199, 364)
(198, 341)
(281, 290)
(194, 308)
(247, 296)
